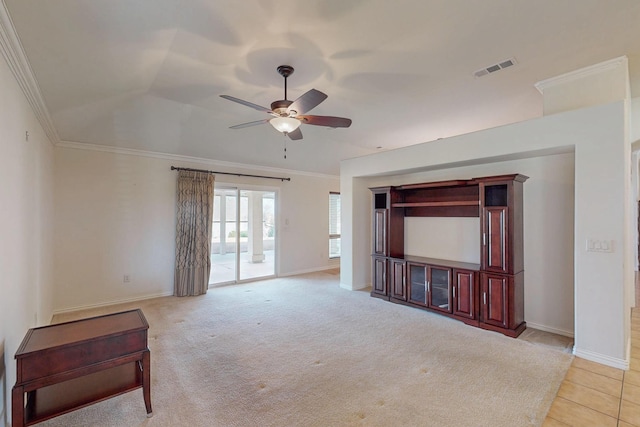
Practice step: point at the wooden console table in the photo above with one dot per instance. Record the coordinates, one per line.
(71, 365)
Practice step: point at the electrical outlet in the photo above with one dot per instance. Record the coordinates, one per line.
(126, 278)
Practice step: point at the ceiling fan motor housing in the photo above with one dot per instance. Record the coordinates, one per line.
(280, 108)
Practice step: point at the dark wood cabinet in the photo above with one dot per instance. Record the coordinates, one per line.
(494, 239)
(464, 293)
(379, 287)
(380, 232)
(417, 279)
(503, 303)
(439, 288)
(502, 278)
(495, 288)
(388, 224)
(397, 285)
(489, 295)
(444, 286)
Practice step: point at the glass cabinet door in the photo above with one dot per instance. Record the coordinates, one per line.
(440, 288)
(417, 283)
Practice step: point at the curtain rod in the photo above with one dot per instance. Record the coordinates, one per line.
(229, 173)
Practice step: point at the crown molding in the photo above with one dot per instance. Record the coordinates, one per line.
(186, 159)
(16, 58)
(581, 73)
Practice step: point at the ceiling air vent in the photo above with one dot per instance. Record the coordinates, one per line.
(495, 67)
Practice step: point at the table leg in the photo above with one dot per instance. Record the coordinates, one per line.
(17, 407)
(146, 381)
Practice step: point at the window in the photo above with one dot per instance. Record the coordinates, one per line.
(334, 225)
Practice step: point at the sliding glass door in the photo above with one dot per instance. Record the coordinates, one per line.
(244, 233)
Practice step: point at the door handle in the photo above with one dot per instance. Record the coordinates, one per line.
(484, 297)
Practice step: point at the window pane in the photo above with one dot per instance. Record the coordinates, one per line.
(334, 247)
(334, 213)
(334, 225)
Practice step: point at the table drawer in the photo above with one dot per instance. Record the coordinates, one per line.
(58, 360)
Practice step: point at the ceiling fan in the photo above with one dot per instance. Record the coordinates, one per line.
(289, 115)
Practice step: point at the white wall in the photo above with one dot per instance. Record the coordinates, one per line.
(26, 221)
(598, 84)
(599, 137)
(548, 233)
(115, 215)
(446, 238)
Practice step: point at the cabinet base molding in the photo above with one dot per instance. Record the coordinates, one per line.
(383, 297)
(513, 333)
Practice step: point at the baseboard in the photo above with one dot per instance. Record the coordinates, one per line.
(602, 359)
(106, 304)
(351, 288)
(544, 328)
(309, 270)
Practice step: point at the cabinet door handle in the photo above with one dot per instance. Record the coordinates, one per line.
(454, 292)
(484, 297)
(484, 239)
(428, 287)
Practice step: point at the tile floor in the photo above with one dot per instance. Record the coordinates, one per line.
(597, 395)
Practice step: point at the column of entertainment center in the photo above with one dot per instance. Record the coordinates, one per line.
(488, 295)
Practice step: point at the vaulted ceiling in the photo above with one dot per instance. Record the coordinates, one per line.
(147, 74)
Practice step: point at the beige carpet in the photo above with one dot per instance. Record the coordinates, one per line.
(300, 351)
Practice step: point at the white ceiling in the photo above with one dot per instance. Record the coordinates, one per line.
(147, 74)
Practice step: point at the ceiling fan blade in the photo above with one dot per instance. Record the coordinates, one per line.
(307, 101)
(295, 135)
(247, 103)
(329, 121)
(248, 124)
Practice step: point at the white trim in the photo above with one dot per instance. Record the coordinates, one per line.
(106, 304)
(602, 359)
(14, 54)
(556, 331)
(349, 288)
(309, 270)
(582, 72)
(187, 159)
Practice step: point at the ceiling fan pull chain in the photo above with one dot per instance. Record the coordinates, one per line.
(285, 146)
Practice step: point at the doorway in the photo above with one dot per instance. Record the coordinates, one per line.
(243, 242)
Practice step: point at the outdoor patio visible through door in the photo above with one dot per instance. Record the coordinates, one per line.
(244, 233)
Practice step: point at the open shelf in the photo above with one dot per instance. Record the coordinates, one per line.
(437, 203)
(48, 402)
(440, 184)
(458, 198)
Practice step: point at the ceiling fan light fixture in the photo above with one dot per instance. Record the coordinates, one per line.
(285, 124)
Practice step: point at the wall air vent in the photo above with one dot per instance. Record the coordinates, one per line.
(495, 67)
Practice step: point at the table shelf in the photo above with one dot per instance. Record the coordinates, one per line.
(57, 399)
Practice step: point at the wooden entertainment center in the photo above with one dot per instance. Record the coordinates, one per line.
(489, 295)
